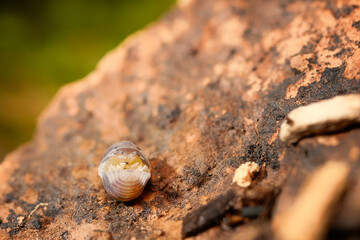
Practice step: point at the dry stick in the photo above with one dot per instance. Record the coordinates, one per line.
(24, 219)
(309, 215)
(321, 117)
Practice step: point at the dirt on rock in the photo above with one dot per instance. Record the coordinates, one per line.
(202, 91)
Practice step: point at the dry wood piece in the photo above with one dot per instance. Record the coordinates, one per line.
(203, 218)
(309, 215)
(326, 116)
(244, 174)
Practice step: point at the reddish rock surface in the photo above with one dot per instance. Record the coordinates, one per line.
(201, 91)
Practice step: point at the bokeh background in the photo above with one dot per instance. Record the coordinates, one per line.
(45, 44)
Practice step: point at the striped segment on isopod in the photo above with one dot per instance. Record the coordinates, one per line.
(124, 171)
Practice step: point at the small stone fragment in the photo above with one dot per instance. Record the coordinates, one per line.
(188, 206)
(322, 117)
(20, 219)
(244, 174)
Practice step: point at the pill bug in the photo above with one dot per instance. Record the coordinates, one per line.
(124, 171)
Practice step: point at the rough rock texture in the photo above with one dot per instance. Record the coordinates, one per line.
(202, 91)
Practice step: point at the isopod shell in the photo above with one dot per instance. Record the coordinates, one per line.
(124, 171)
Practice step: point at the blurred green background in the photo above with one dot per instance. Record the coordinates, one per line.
(47, 43)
